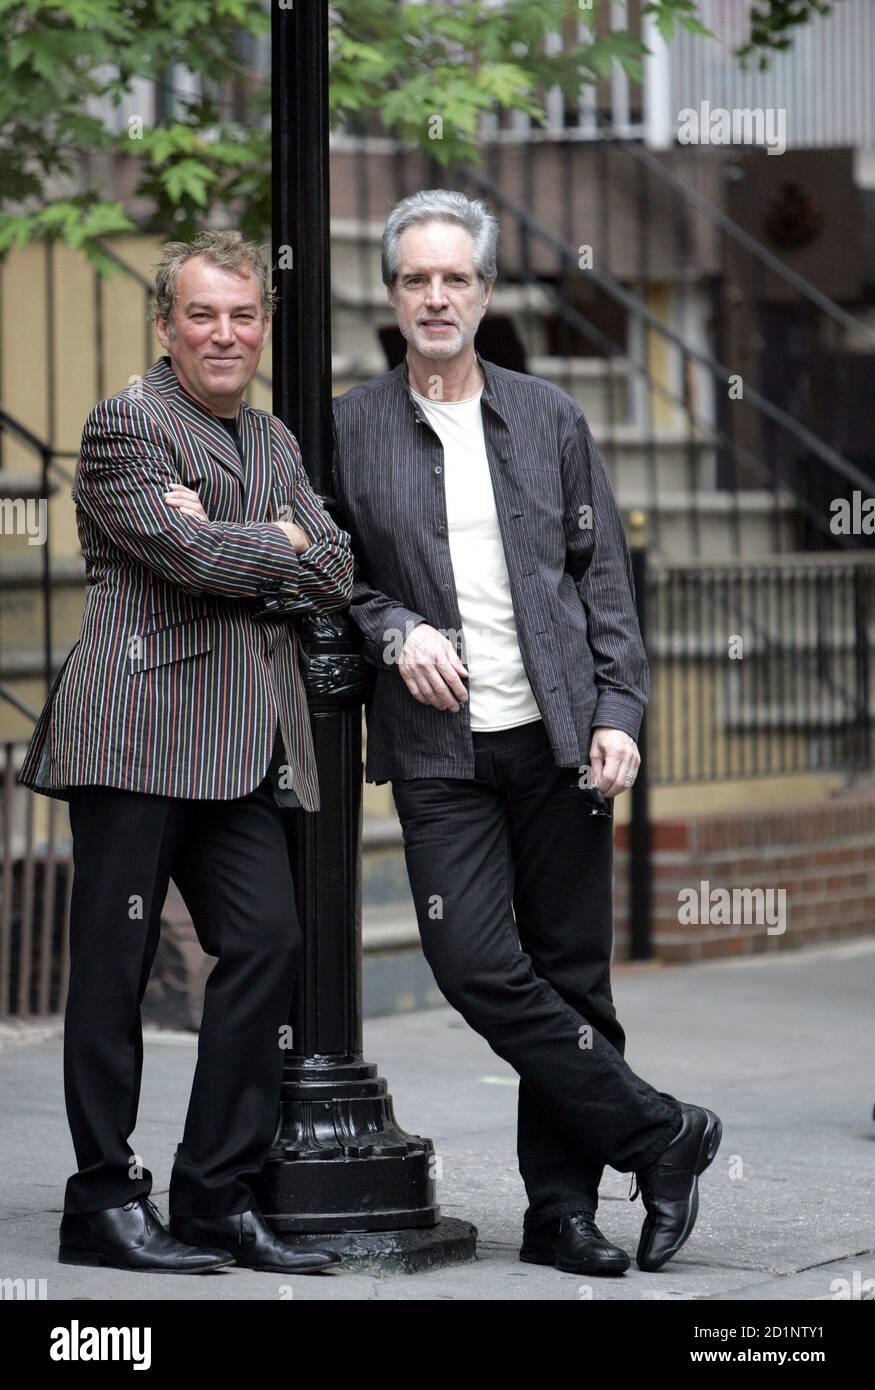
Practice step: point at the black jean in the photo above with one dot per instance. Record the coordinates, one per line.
(512, 880)
(230, 862)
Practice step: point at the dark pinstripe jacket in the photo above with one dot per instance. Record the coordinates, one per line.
(174, 688)
(569, 568)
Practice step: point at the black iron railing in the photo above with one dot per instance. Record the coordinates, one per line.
(36, 879)
(761, 669)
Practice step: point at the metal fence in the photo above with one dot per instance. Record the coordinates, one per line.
(760, 669)
(36, 877)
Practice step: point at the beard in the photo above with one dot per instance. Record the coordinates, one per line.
(449, 345)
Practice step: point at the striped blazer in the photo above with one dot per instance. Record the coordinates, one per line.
(175, 686)
(567, 558)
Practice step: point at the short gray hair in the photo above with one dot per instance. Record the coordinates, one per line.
(442, 205)
(226, 249)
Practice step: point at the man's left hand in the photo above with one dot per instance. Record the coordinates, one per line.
(614, 759)
(186, 500)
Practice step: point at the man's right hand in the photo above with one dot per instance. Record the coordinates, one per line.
(431, 669)
(299, 538)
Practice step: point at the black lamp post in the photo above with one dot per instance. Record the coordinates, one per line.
(341, 1171)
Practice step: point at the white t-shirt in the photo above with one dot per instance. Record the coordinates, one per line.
(499, 693)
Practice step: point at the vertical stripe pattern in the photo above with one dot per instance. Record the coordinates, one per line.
(567, 558)
(175, 686)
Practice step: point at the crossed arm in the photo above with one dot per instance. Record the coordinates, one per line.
(125, 482)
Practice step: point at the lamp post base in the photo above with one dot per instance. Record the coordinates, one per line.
(409, 1251)
(340, 1162)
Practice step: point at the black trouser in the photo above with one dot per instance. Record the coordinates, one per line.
(230, 863)
(511, 875)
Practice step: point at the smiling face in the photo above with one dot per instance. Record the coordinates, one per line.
(438, 297)
(217, 333)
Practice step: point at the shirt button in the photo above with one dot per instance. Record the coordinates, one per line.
(438, 469)
(442, 530)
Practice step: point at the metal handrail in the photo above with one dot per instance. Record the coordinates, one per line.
(12, 699)
(576, 319)
(635, 150)
(39, 446)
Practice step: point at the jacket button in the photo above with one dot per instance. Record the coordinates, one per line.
(438, 469)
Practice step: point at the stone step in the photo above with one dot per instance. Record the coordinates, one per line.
(384, 874)
(675, 519)
(396, 977)
(599, 385)
(655, 464)
(355, 253)
(25, 485)
(21, 571)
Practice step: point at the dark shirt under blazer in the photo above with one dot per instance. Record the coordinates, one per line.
(571, 582)
(174, 687)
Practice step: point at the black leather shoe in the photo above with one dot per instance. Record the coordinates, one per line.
(132, 1237)
(573, 1243)
(670, 1187)
(252, 1243)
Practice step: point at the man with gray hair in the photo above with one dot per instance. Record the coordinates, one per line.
(494, 592)
(176, 729)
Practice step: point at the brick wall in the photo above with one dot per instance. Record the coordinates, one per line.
(821, 854)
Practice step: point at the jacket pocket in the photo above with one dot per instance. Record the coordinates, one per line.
(180, 608)
(171, 643)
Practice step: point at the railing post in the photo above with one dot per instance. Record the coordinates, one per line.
(863, 585)
(640, 884)
(45, 464)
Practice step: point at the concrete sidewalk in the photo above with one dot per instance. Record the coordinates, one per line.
(780, 1046)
